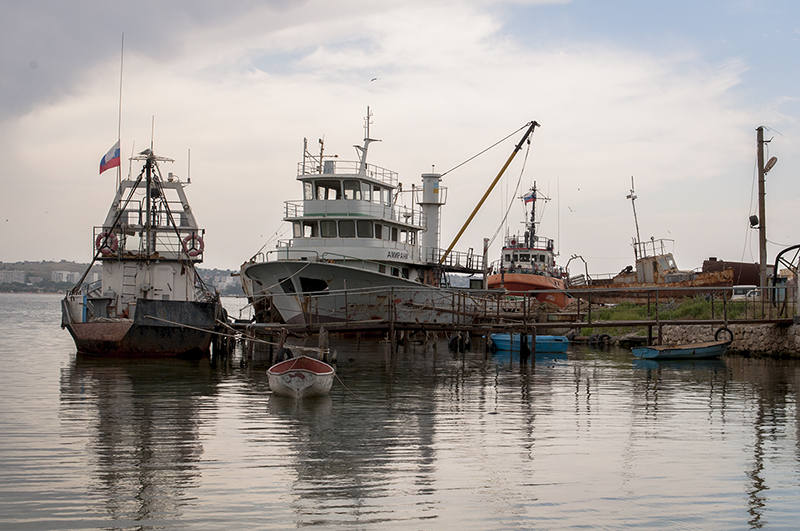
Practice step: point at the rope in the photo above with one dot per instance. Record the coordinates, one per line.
(249, 338)
(485, 150)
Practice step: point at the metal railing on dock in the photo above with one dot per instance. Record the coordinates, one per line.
(423, 309)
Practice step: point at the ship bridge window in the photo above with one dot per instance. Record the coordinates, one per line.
(309, 285)
(352, 190)
(386, 195)
(364, 229)
(376, 194)
(327, 228)
(378, 230)
(308, 191)
(394, 234)
(525, 257)
(507, 258)
(365, 191)
(329, 190)
(306, 229)
(347, 228)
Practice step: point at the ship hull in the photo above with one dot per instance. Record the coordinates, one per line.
(321, 292)
(158, 329)
(541, 286)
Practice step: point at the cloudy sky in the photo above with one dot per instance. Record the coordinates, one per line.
(669, 93)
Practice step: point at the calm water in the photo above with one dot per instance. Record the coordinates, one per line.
(425, 440)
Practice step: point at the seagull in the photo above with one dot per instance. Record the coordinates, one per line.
(373, 79)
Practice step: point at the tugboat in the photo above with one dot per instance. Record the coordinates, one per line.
(150, 301)
(528, 264)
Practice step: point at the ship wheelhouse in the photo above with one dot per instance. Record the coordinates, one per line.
(350, 209)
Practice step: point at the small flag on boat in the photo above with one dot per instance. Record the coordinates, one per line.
(530, 198)
(110, 159)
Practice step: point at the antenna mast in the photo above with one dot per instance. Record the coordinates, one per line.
(119, 120)
(632, 197)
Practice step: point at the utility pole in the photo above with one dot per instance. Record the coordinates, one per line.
(762, 219)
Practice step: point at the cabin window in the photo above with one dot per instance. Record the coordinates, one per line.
(508, 258)
(376, 194)
(365, 191)
(308, 191)
(297, 229)
(308, 285)
(386, 194)
(516, 258)
(395, 272)
(403, 236)
(394, 234)
(352, 190)
(329, 190)
(364, 229)
(382, 269)
(327, 229)
(286, 285)
(412, 237)
(347, 228)
(310, 229)
(378, 229)
(525, 257)
(405, 272)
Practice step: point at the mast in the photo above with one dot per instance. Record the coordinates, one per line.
(530, 231)
(632, 197)
(362, 163)
(147, 218)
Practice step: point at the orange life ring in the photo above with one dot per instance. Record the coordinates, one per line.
(107, 243)
(193, 251)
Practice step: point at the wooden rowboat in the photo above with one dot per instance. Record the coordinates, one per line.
(707, 350)
(300, 377)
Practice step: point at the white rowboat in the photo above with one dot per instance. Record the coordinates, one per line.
(300, 377)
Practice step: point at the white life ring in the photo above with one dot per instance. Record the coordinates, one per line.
(106, 243)
(193, 251)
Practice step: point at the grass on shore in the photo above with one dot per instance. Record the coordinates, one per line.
(695, 308)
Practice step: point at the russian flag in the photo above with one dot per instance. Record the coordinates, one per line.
(530, 198)
(110, 159)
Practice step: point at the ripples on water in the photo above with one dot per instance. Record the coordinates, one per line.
(424, 439)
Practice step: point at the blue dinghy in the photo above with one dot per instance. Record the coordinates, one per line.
(543, 343)
(707, 350)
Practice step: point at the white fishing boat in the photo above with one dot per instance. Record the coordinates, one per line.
(149, 300)
(359, 241)
(301, 377)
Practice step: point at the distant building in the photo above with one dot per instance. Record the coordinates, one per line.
(35, 280)
(65, 276)
(12, 276)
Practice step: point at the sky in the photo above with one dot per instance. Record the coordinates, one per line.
(667, 95)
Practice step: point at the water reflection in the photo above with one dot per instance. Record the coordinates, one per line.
(429, 438)
(139, 422)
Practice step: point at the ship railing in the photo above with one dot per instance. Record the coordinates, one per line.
(346, 168)
(412, 304)
(542, 243)
(166, 243)
(294, 209)
(466, 260)
(652, 247)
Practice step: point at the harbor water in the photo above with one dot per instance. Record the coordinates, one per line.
(425, 439)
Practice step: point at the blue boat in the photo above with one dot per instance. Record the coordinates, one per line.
(707, 350)
(511, 342)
